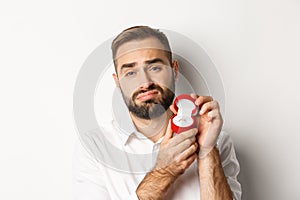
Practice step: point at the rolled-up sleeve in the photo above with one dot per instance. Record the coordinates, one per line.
(230, 163)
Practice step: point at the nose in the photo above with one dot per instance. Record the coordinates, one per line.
(145, 80)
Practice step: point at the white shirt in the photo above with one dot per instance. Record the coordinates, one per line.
(111, 162)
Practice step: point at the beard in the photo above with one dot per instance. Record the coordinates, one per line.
(153, 107)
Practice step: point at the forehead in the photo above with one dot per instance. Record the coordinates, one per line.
(135, 45)
(139, 50)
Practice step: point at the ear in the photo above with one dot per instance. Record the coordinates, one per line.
(175, 69)
(115, 76)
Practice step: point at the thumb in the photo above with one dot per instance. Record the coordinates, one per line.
(173, 109)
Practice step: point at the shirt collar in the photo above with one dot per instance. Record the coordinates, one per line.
(122, 120)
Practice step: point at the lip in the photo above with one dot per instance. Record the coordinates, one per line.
(147, 95)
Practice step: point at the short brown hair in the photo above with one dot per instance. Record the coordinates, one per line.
(139, 33)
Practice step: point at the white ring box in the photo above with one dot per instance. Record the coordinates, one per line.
(186, 110)
(184, 113)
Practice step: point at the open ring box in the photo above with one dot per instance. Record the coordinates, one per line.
(186, 112)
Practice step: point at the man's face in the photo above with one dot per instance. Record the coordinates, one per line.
(145, 77)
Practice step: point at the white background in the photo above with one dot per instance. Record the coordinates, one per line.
(254, 44)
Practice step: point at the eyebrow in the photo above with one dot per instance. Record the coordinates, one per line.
(155, 60)
(127, 65)
(148, 62)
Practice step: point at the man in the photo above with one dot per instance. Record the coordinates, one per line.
(196, 164)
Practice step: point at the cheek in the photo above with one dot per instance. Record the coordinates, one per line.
(127, 87)
(166, 81)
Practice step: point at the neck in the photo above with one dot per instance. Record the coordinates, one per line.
(154, 128)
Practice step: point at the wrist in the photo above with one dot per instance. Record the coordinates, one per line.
(211, 158)
(206, 151)
(155, 184)
(212, 178)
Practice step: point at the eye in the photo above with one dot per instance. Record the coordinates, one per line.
(130, 73)
(155, 68)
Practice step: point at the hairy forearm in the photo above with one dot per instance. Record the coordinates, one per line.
(213, 181)
(155, 185)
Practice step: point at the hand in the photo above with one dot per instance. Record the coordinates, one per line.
(209, 123)
(177, 153)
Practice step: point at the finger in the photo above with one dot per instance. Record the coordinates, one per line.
(215, 113)
(169, 132)
(187, 153)
(184, 145)
(187, 163)
(194, 96)
(208, 107)
(202, 100)
(206, 118)
(184, 135)
(173, 109)
(190, 160)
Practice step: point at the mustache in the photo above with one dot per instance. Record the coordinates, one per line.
(149, 88)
